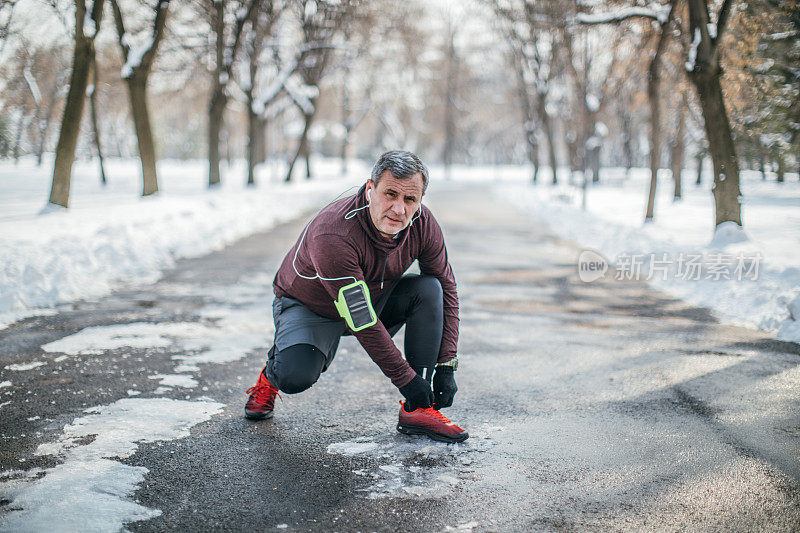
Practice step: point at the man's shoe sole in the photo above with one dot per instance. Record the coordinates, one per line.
(414, 430)
(255, 415)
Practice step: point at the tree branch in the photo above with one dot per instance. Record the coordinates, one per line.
(722, 19)
(162, 7)
(118, 22)
(659, 15)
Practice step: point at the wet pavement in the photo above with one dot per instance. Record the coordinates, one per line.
(602, 406)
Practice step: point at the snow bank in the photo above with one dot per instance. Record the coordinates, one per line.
(765, 290)
(111, 235)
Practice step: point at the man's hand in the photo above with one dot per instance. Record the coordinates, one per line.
(418, 394)
(444, 386)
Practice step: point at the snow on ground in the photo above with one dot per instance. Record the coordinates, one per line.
(750, 278)
(231, 325)
(110, 236)
(416, 467)
(90, 490)
(26, 366)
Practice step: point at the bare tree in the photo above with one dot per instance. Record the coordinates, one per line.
(451, 78)
(653, 96)
(227, 42)
(663, 16)
(353, 113)
(255, 52)
(93, 114)
(86, 28)
(591, 95)
(703, 67)
(321, 21)
(136, 71)
(677, 147)
(528, 27)
(6, 18)
(55, 94)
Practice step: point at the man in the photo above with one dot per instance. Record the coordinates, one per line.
(370, 239)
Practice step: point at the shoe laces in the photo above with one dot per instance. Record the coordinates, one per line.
(264, 392)
(435, 413)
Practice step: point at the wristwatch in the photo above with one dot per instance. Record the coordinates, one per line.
(452, 363)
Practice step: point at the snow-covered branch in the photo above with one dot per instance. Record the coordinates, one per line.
(271, 92)
(656, 12)
(32, 85)
(140, 56)
(722, 19)
(781, 36)
(134, 59)
(298, 96)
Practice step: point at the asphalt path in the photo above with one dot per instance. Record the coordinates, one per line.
(600, 406)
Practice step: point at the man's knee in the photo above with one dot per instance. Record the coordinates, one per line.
(296, 368)
(428, 289)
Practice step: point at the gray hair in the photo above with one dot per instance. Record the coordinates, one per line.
(402, 165)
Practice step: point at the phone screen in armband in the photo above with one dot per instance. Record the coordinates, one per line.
(355, 307)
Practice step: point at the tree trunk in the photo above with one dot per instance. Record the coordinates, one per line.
(307, 158)
(44, 124)
(137, 88)
(345, 146)
(653, 79)
(73, 108)
(301, 147)
(215, 112)
(263, 130)
(216, 108)
(528, 125)
(594, 158)
(547, 125)
(254, 126)
(699, 158)
(136, 80)
(38, 120)
(449, 103)
(22, 125)
(627, 147)
(655, 141)
(727, 195)
(572, 155)
(252, 141)
(797, 163)
(95, 127)
(345, 119)
(781, 167)
(705, 76)
(676, 158)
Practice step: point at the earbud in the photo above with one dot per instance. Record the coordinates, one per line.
(369, 199)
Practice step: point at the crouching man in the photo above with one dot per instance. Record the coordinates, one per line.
(345, 276)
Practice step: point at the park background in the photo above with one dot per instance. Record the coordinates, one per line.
(134, 133)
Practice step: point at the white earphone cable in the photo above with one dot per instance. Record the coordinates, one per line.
(350, 214)
(317, 276)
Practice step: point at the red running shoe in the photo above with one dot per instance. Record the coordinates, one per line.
(262, 399)
(429, 422)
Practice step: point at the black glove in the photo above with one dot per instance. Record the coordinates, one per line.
(444, 386)
(418, 394)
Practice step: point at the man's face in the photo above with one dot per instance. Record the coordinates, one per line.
(393, 202)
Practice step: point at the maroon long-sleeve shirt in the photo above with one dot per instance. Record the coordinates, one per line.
(337, 247)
